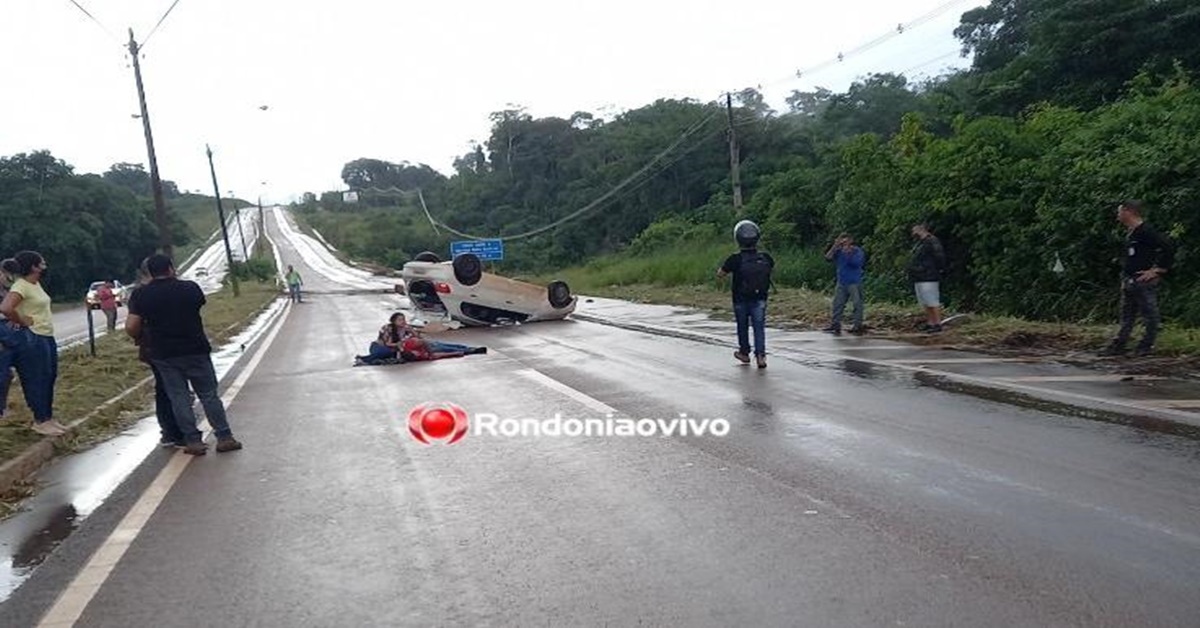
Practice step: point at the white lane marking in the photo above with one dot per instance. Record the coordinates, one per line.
(69, 606)
(553, 384)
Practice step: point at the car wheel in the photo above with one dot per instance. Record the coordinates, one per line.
(559, 294)
(427, 256)
(468, 270)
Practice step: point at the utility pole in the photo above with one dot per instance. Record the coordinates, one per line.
(160, 205)
(221, 214)
(245, 255)
(733, 157)
(262, 227)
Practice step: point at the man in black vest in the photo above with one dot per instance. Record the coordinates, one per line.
(1147, 257)
(169, 309)
(751, 283)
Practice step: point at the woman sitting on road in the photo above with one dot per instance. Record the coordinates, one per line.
(398, 342)
(386, 348)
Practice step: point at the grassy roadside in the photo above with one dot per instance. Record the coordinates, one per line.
(794, 308)
(85, 382)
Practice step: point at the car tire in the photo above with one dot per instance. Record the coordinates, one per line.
(559, 294)
(468, 270)
(427, 256)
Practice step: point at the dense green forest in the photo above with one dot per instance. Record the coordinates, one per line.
(1017, 163)
(87, 226)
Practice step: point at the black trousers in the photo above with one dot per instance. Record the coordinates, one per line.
(1138, 298)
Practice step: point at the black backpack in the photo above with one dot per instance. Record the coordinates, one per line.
(754, 275)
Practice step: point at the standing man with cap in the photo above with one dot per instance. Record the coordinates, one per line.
(751, 284)
(169, 309)
(1147, 257)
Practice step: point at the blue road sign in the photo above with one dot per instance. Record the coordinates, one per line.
(485, 250)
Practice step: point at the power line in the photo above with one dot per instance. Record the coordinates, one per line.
(97, 22)
(900, 29)
(160, 21)
(598, 202)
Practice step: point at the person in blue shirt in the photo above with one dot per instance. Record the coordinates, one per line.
(849, 260)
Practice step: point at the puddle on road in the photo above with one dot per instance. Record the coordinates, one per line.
(73, 487)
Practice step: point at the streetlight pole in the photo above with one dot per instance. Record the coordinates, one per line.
(160, 205)
(221, 214)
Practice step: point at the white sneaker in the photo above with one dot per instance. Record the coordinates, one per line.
(58, 425)
(47, 429)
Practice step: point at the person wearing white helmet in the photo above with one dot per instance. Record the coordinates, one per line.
(751, 271)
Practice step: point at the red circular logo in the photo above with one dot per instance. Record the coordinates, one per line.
(437, 421)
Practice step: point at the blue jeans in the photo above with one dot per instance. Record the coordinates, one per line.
(752, 313)
(6, 362)
(294, 292)
(851, 292)
(163, 411)
(37, 365)
(197, 370)
(437, 346)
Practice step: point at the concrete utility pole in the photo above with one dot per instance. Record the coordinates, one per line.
(242, 234)
(262, 227)
(221, 215)
(160, 205)
(735, 176)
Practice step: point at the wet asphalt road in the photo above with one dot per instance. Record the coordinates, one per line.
(842, 496)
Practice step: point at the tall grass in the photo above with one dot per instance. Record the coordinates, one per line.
(695, 262)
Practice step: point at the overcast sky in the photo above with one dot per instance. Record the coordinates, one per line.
(403, 81)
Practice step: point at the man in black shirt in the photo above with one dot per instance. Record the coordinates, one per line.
(751, 272)
(169, 310)
(1147, 257)
(925, 272)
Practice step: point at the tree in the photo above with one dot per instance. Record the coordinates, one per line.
(85, 226)
(135, 178)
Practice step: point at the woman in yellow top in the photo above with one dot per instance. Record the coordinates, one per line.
(36, 357)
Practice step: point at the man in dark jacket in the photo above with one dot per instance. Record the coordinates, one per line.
(751, 271)
(925, 271)
(1147, 257)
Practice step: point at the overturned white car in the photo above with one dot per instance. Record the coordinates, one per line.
(461, 290)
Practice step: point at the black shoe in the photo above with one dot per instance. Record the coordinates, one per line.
(836, 330)
(1143, 352)
(924, 326)
(195, 449)
(228, 443)
(933, 329)
(477, 351)
(858, 330)
(1112, 351)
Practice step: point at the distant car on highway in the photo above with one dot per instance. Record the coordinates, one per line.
(119, 291)
(461, 290)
